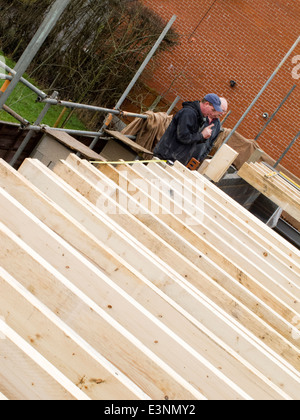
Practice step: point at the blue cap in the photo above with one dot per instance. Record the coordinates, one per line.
(215, 101)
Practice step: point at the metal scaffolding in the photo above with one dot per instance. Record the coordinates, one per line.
(16, 76)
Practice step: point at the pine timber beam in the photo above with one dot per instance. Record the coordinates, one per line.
(175, 260)
(35, 177)
(212, 262)
(58, 343)
(62, 288)
(276, 191)
(259, 233)
(221, 238)
(185, 295)
(73, 177)
(182, 237)
(291, 252)
(38, 204)
(222, 217)
(25, 374)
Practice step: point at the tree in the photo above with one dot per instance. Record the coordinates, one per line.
(94, 51)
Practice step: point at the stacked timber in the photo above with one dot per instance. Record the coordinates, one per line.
(141, 282)
(277, 188)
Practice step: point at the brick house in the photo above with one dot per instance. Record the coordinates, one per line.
(235, 40)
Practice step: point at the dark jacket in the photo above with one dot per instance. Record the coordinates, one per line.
(204, 149)
(183, 135)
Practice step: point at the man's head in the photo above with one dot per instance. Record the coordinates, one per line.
(224, 105)
(211, 106)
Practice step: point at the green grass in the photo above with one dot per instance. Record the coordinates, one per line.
(23, 101)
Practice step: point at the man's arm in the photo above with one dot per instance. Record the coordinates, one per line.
(205, 151)
(185, 127)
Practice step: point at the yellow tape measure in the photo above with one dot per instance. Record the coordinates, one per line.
(290, 180)
(128, 162)
(271, 175)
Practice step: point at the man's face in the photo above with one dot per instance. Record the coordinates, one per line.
(210, 112)
(207, 109)
(215, 114)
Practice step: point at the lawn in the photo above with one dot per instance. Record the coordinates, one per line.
(23, 101)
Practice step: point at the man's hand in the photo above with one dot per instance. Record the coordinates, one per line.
(207, 132)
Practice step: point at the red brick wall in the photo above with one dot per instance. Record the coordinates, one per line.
(241, 40)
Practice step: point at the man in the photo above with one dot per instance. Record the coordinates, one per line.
(204, 149)
(189, 129)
